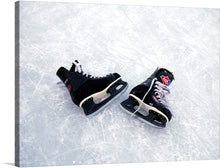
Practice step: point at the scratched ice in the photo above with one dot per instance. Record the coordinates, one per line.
(130, 40)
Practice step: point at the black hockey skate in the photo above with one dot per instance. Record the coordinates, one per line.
(89, 92)
(147, 101)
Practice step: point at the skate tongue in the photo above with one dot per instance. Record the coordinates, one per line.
(72, 69)
(165, 77)
(76, 67)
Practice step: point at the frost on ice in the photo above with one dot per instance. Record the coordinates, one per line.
(130, 40)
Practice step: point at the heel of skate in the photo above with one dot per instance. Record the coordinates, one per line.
(62, 74)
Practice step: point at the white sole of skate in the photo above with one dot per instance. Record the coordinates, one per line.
(102, 94)
(146, 108)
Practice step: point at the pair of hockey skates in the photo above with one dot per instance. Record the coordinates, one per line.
(146, 101)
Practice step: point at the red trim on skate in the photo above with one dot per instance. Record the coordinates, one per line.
(68, 87)
(155, 99)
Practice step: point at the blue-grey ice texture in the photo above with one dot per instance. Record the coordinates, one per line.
(130, 40)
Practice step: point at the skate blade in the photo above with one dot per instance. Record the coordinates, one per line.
(148, 108)
(146, 113)
(139, 118)
(98, 95)
(100, 98)
(95, 103)
(109, 102)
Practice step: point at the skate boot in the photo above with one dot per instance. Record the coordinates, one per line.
(89, 92)
(147, 101)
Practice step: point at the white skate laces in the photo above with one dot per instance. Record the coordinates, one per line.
(160, 91)
(78, 68)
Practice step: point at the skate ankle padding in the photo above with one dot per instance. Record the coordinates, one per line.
(62, 74)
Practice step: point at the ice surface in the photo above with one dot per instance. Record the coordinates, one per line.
(130, 40)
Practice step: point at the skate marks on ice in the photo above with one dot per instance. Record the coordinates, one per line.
(54, 131)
